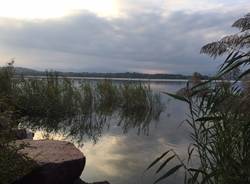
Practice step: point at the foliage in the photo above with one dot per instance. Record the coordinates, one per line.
(237, 48)
(138, 107)
(79, 108)
(219, 118)
(13, 164)
(60, 104)
(63, 105)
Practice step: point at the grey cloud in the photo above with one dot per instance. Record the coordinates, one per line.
(144, 41)
(135, 152)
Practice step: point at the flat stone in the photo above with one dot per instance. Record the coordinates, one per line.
(59, 162)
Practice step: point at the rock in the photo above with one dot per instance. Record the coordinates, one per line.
(22, 134)
(29, 134)
(59, 162)
(79, 181)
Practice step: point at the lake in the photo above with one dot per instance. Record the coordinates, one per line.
(121, 158)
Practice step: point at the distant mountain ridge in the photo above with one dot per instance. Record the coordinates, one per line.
(26, 71)
(132, 75)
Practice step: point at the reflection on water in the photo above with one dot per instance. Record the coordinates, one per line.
(121, 158)
(83, 109)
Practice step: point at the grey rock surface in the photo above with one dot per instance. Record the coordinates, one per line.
(22, 134)
(59, 162)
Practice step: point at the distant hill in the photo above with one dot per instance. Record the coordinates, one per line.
(132, 75)
(27, 71)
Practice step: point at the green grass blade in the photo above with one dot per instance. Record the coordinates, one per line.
(169, 173)
(157, 160)
(164, 163)
(181, 98)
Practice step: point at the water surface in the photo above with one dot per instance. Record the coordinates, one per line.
(121, 158)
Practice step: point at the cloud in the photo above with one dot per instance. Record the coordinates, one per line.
(122, 158)
(141, 41)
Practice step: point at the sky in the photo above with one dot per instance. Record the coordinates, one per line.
(148, 36)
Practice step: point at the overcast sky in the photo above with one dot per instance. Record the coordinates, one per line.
(150, 36)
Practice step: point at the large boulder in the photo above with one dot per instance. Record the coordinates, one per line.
(58, 162)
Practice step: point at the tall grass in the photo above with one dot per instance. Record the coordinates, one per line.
(81, 109)
(60, 105)
(219, 118)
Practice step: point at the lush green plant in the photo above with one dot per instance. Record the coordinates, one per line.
(219, 119)
(13, 164)
(139, 106)
(80, 109)
(107, 97)
(56, 104)
(46, 102)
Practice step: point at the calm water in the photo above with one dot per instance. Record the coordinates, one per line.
(121, 158)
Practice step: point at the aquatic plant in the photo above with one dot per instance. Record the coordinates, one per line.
(219, 119)
(81, 108)
(62, 105)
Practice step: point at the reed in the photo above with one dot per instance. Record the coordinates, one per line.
(219, 119)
